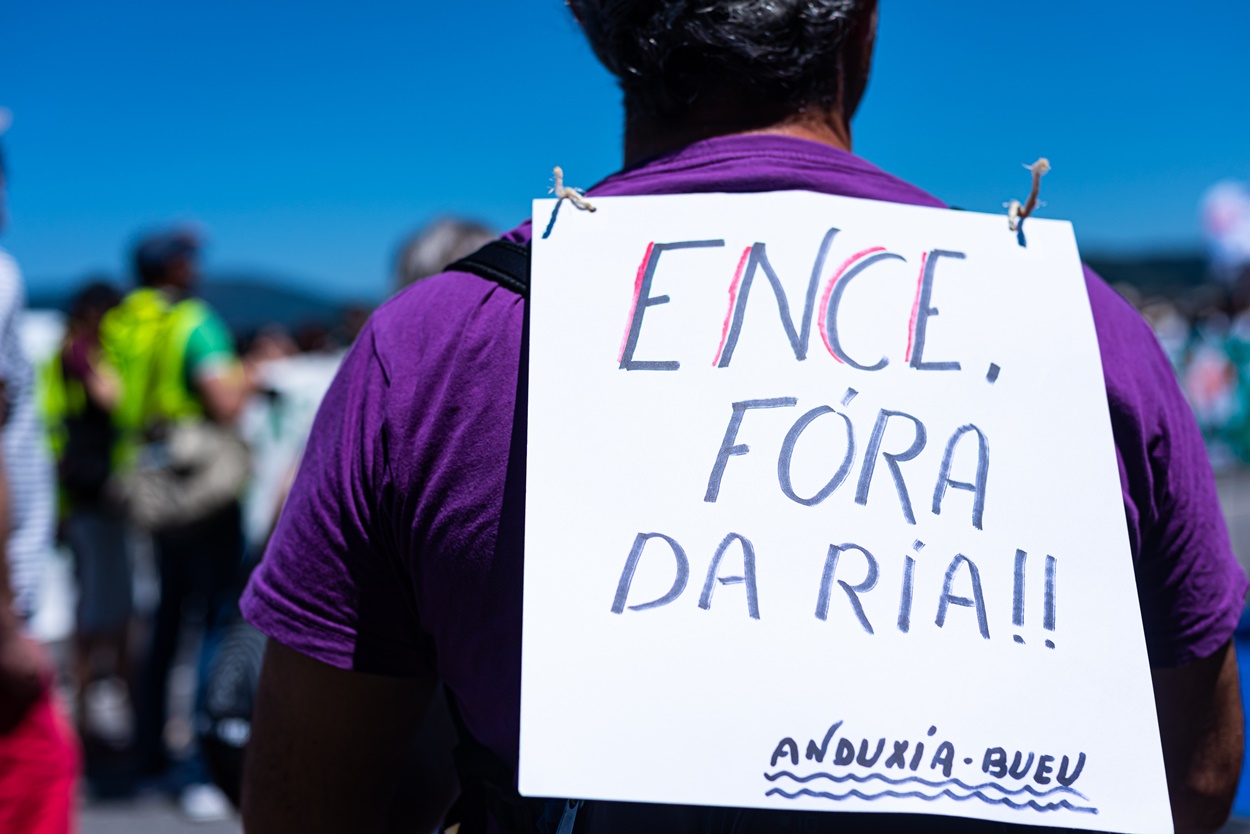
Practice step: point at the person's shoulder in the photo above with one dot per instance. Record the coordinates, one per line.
(198, 312)
(1139, 378)
(212, 322)
(440, 357)
(1156, 437)
(443, 318)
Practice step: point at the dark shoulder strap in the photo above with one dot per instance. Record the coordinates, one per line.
(488, 791)
(502, 261)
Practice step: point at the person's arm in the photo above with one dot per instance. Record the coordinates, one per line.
(82, 359)
(1191, 590)
(103, 386)
(326, 747)
(1201, 727)
(335, 592)
(226, 391)
(223, 382)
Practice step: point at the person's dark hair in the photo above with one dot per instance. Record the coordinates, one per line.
(96, 297)
(148, 274)
(770, 57)
(154, 254)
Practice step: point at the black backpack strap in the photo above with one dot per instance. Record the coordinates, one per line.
(502, 261)
(487, 784)
(488, 791)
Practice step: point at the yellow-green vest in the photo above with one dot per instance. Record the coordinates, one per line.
(59, 398)
(145, 339)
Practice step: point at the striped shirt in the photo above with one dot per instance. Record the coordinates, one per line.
(27, 460)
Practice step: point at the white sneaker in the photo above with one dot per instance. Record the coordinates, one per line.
(204, 803)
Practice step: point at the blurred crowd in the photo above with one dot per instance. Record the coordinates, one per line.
(167, 444)
(1205, 330)
(1206, 336)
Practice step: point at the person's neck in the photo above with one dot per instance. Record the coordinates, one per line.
(646, 140)
(172, 291)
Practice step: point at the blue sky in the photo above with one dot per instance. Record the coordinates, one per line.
(307, 138)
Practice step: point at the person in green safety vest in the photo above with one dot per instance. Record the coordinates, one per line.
(177, 361)
(175, 354)
(78, 392)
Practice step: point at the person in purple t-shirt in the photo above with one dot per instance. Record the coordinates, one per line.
(397, 563)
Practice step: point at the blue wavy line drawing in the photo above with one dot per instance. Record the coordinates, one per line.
(853, 777)
(1062, 804)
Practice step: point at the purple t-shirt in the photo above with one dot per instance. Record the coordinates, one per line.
(399, 549)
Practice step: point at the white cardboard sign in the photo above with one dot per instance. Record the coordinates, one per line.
(823, 513)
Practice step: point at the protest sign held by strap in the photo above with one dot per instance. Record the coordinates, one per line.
(823, 513)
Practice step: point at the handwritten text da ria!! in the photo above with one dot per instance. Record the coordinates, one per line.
(883, 453)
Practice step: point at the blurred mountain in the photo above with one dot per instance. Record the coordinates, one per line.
(247, 305)
(246, 302)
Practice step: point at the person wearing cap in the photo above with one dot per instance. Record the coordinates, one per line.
(202, 374)
(397, 563)
(177, 362)
(38, 752)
